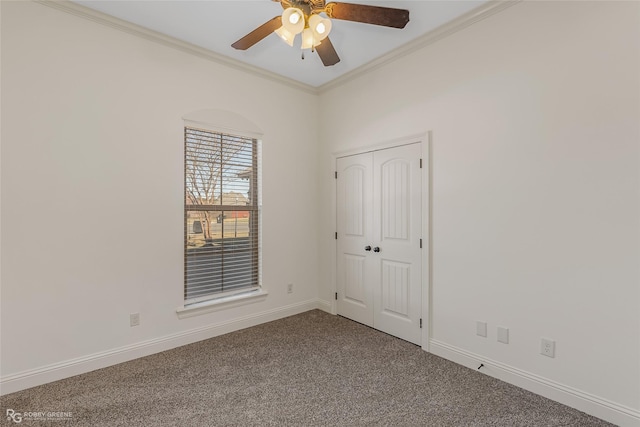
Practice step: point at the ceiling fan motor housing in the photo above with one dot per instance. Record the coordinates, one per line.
(307, 6)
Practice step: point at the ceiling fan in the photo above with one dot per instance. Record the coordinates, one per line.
(303, 16)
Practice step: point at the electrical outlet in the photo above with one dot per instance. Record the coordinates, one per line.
(548, 347)
(481, 329)
(290, 288)
(503, 335)
(134, 319)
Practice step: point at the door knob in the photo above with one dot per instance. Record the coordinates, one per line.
(367, 248)
(376, 249)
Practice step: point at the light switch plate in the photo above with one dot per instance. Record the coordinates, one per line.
(503, 335)
(134, 319)
(481, 329)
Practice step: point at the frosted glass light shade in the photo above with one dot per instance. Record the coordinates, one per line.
(285, 35)
(308, 39)
(320, 27)
(293, 20)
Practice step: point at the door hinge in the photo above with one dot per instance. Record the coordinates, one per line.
(336, 296)
(335, 174)
(420, 323)
(336, 235)
(420, 243)
(420, 163)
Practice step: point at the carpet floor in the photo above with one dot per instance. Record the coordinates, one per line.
(312, 369)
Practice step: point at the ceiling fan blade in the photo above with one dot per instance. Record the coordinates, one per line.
(258, 34)
(327, 53)
(377, 15)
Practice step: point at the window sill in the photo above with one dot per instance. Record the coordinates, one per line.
(221, 303)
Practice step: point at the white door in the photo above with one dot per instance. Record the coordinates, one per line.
(355, 208)
(379, 224)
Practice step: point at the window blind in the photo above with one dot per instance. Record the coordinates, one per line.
(221, 214)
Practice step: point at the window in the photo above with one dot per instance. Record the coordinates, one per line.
(221, 215)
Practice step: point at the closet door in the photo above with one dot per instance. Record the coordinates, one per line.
(378, 247)
(397, 230)
(354, 211)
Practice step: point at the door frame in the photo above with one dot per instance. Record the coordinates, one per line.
(425, 143)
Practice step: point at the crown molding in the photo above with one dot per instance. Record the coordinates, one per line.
(478, 14)
(154, 36)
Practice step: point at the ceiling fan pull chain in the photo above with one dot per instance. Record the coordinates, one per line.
(303, 55)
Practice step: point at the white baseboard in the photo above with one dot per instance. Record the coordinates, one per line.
(325, 306)
(68, 368)
(580, 400)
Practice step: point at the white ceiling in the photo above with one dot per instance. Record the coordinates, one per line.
(214, 25)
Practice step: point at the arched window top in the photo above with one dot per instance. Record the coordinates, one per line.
(223, 121)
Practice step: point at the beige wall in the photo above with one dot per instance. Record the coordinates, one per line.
(534, 117)
(534, 114)
(92, 188)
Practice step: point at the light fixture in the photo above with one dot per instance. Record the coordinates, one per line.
(320, 27)
(293, 20)
(308, 39)
(314, 28)
(285, 35)
(317, 16)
